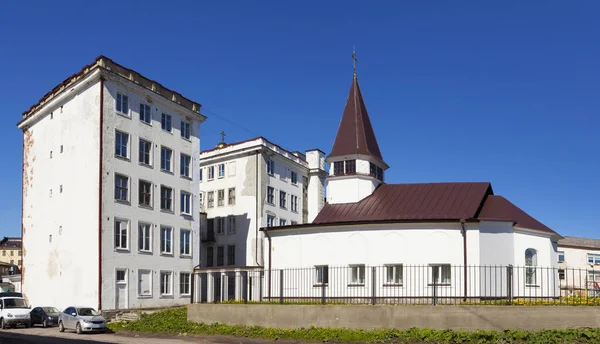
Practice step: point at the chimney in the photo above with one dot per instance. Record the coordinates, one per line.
(316, 182)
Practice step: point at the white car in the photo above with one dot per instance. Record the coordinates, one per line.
(13, 311)
(81, 319)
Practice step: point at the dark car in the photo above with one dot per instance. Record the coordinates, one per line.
(45, 316)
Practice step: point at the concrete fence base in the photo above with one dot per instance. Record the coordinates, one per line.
(398, 317)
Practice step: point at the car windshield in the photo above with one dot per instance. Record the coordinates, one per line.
(87, 311)
(15, 303)
(50, 310)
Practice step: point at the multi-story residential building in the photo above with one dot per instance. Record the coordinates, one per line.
(579, 265)
(10, 251)
(110, 180)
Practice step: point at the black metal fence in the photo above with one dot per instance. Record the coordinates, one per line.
(400, 284)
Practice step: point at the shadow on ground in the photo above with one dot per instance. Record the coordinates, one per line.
(21, 338)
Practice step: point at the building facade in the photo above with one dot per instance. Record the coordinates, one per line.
(10, 251)
(579, 265)
(110, 180)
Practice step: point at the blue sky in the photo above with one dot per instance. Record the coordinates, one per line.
(506, 92)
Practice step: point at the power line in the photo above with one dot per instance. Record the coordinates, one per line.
(205, 110)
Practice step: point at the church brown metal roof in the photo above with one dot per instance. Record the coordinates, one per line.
(500, 209)
(355, 134)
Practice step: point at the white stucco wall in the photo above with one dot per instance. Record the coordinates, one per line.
(578, 273)
(131, 259)
(349, 189)
(60, 233)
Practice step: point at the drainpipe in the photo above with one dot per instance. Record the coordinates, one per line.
(464, 235)
(100, 153)
(270, 250)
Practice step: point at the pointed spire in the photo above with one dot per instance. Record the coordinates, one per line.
(355, 134)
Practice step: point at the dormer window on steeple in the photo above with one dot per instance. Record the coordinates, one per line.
(375, 171)
(350, 166)
(338, 168)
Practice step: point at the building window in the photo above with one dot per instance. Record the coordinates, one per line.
(211, 172)
(166, 198)
(184, 283)
(19, 252)
(61, 148)
(270, 195)
(50, 154)
(121, 275)
(145, 153)
(270, 167)
(221, 170)
(440, 274)
(165, 122)
(165, 283)
(270, 220)
(123, 104)
(166, 155)
(19, 262)
(221, 225)
(350, 166)
(121, 188)
(145, 283)
(379, 174)
(393, 274)
(210, 256)
(530, 263)
(145, 239)
(231, 196)
(121, 233)
(561, 274)
(220, 256)
(184, 165)
(220, 197)
(185, 242)
(166, 237)
(145, 113)
(372, 170)
(186, 203)
(322, 274)
(338, 168)
(294, 203)
(121, 144)
(60, 189)
(357, 274)
(294, 177)
(282, 199)
(185, 130)
(593, 276)
(282, 222)
(561, 256)
(593, 258)
(145, 193)
(231, 168)
(231, 225)
(231, 255)
(210, 196)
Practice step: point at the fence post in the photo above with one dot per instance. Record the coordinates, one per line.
(373, 284)
(509, 283)
(323, 292)
(281, 287)
(244, 285)
(434, 292)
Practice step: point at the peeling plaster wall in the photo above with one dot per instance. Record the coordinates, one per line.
(60, 231)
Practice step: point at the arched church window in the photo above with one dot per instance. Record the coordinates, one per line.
(530, 264)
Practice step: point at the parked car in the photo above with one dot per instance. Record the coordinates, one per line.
(45, 316)
(14, 311)
(81, 319)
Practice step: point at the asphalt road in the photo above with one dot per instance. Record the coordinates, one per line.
(38, 335)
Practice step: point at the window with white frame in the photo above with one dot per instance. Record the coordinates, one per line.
(165, 122)
(231, 224)
(186, 130)
(210, 199)
(282, 222)
(184, 165)
(282, 198)
(321, 274)
(270, 195)
(270, 220)
(231, 255)
(593, 276)
(221, 197)
(294, 203)
(121, 276)
(121, 188)
(121, 234)
(393, 274)
(231, 196)
(561, 256)
(166, 281)
(145, 113)
(186, 203)
(166, 157)
(121, 144)
(221, 170)
(122, 105)
(145, 152)
(166, 198)
(145, 283)
(294, 177)
(145, 237)
(166, 238)
(184, 283)
(145, 193)
(357, 274)
(231, 169)
(185, 242)
(221, 225)
(530, 266)
(593, 258)
(270, 167)
(211, 172)
(440, 274)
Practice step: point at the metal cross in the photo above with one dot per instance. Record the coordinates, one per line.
(354, 59)
(222, 136)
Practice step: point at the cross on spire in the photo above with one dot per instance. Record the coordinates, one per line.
(354, 60)
(222, 136)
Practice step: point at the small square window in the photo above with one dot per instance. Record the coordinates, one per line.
(120, 275)
(393, 274)
(561, 256)
(357, 274)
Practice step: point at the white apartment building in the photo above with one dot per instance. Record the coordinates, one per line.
(579, 265)
(110, 180)
(252, 184)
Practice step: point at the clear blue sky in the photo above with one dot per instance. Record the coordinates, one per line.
(506, 92)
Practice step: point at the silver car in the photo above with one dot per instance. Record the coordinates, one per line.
(81, 319)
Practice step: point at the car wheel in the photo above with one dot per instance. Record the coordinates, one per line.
(44, 323)
(28, 325)
(2, 324)
(78, 328)
(61, 327)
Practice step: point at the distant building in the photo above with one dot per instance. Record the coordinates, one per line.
(110, 183)
(10, 251)
(579, 264)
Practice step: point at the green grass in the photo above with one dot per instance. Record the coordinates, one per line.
(174, 321)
